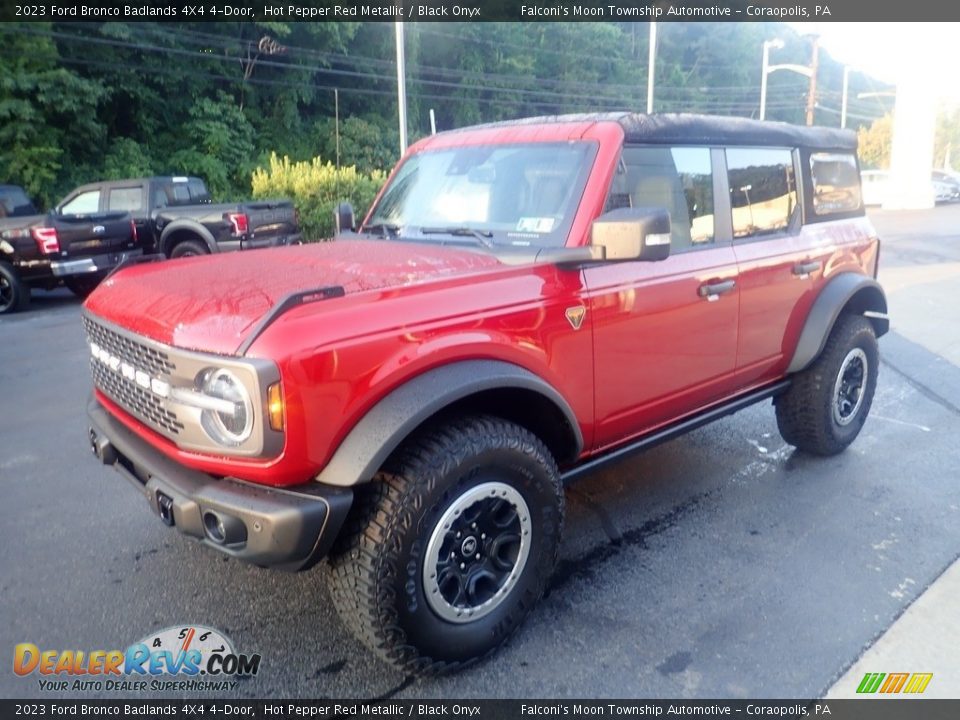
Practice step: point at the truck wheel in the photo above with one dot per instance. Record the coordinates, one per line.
(189, 248)
(827, 404)
(14, 293)
(82, 285)
(451, 545)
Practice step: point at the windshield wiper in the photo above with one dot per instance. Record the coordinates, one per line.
(482, 236)
(384, 230)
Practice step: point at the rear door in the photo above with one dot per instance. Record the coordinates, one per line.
(665, 333)
(776, 264)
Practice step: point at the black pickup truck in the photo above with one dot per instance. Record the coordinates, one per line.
(41, 251)
(174, 215)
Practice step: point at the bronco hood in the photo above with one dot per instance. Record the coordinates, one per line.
(212, 303)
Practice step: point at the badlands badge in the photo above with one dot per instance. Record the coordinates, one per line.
(575, 316)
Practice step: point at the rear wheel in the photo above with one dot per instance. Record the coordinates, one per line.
(451, 545)
(827, 404)
(14, 293)
(82, 285)
(189, 248)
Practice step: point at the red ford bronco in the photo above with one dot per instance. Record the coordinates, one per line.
(524, 302)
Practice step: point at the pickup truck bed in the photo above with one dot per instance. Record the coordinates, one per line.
(41, 251)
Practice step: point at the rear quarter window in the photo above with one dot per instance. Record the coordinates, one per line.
(836, 183)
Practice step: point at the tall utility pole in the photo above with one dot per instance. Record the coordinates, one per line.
(814, 62)
(846, 93)
(651, 65)
(401, 89)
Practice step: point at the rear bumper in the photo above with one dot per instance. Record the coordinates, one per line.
(288, 529)
(95, 264)
(272, 241)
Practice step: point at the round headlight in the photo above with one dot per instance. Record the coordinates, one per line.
(227, 427)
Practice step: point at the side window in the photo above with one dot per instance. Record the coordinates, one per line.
(86, 203)
(836, 183)
(177, 192)
(198, 191)
(128, 199)
(763, 190)
(679, 179)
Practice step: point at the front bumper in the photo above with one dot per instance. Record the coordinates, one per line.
(97, 263)
(289, 529)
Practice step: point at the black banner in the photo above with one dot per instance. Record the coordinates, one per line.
(874, 709)
(482, 10)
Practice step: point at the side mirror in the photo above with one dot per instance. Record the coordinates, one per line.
(632, 234)
(343, 218)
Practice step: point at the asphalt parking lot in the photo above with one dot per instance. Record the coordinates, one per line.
(722, 564)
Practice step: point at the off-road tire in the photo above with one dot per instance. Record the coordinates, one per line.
(14, 293)
(82, 285)
(376, 573)
(806, 413)
(189, 248)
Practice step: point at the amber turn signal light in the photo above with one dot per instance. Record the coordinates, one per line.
(275, 406)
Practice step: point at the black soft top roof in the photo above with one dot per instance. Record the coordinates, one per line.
(688, 129)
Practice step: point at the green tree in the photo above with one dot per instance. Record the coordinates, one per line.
(875, 143)
(218, 146)
(48, 113)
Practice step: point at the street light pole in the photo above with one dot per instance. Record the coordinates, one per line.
(401, 89)
(651, 64)
(846, 93)
(814, 64)
(767, 44)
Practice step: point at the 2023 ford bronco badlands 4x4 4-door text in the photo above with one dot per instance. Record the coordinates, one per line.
(524, 302)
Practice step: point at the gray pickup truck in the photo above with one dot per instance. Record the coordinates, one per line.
(175, 216)
(44, 250)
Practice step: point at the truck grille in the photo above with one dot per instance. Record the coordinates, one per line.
(142, 403)
(140, 356)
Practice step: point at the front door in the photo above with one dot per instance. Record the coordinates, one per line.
(665, 333)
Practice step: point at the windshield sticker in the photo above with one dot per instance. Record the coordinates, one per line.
(533, 224)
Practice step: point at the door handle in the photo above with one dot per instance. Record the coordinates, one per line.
(713, 289)
(805, 268)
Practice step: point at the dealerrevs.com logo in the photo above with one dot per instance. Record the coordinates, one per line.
(189, 657)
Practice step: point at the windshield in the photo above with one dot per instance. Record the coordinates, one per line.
(488, 194)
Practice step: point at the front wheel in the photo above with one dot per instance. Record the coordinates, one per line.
(189, 248)
(827, 404)
(452, 545)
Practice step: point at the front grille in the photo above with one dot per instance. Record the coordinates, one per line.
(142, 357)
(139, 402)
